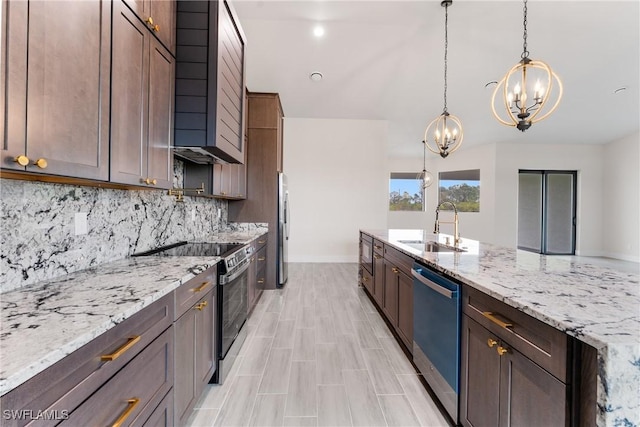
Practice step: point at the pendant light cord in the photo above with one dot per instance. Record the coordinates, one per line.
(525, 52)
(446, 45)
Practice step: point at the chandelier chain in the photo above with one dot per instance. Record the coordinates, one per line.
(525, 52)
(446, 45)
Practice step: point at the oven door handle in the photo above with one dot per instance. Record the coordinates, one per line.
(226, 278)
(439, 289)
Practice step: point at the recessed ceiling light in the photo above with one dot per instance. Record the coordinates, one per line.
(316, 76)
(318, 31)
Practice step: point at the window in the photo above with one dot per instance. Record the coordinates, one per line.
(462, 188)
(405, 191)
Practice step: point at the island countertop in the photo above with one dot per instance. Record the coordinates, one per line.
(597, 304)
(44, 322)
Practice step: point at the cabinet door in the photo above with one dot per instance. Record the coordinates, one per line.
(67, 96)
(378, 279)
(161, 83)
(480, 377)
(205, 343)
(405, 309)
(129, 97)
(230, 80)
(163, 14)
(529, 395)
(185, 359)
(390, 302)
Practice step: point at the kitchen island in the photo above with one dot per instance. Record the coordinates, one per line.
(596, 304)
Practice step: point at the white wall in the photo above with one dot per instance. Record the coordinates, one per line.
(621, 199)
(473, 225)
(336, 171)
(586, 159)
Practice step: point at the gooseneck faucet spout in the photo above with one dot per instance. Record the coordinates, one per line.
(456, 232)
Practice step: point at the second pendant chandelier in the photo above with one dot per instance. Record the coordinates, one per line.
(444, 134)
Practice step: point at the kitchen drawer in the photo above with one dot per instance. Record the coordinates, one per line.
(378, 247)
(366, 280)
(134, 393)
(67, 383)
(261, 258)
(366, 237)
(538, 341)
(162, 416)
(261, 241)
(400, 260)
(190, 292)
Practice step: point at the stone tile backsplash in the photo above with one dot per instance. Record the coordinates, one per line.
(37, 234)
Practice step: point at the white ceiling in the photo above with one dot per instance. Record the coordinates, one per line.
(384, 60)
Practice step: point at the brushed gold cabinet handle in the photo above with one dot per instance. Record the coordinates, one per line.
(201, 287)
(491, 342)
(131, 406)
(261, 241)
(395, 270)
(377, 247)
(365, 279)
(41, 163)
(503, 324)
(376, 256)
(261, 281)
(202, 305)
(22, 160)
(119, 352)
(261, 258)
(502, 350)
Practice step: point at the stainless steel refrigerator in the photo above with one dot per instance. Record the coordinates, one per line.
(283, 229)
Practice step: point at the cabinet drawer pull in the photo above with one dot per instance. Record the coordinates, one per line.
(113, 356)
(201, 287)
(491, 342)
(365, 279)
(376, 256)
(202, 305)
(262, 242)
(502, 350)
(261, 258)
(131, 406)
(492, 316)
(377, 247)
(395, 270)
(22, 160)
(261, 281)
(41, 163)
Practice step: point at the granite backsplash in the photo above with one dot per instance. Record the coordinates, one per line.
(38, 239)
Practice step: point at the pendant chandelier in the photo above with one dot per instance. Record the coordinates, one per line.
(446, 129)
(426, 176)
(527, 77)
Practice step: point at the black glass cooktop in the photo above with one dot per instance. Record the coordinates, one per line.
(193, 249)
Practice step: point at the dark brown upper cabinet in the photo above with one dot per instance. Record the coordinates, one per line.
(160, 17)
(210, 82)
(55, 111)
(141, 104)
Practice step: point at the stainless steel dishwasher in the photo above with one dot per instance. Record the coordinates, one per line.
(436, 334)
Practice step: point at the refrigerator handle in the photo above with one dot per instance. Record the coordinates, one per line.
(286, 215)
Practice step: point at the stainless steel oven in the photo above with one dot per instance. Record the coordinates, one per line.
(232, 310)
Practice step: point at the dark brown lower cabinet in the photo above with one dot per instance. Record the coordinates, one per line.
(378, 279)
(195, 355)
(162, 416)
(391, 284)
(502, 387)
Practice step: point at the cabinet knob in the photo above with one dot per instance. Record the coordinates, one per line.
(502, 350)
(149, 181)
(22, 160)
(41, 163)
(149, 20)
(491, 342)
(395, 270)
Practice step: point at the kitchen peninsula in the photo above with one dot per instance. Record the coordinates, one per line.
(595, 304)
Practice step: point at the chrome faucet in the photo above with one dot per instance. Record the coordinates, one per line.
(456, 232)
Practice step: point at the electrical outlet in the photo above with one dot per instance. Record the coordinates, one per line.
(219, 213)
(80, 223)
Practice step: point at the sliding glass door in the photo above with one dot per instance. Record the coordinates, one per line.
(547, 211)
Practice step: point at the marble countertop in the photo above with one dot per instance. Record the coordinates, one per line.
(42, 323)
(597, 303)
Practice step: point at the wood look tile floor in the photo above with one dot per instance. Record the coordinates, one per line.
(318, 354)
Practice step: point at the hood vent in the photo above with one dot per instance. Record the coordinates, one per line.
(203, 155)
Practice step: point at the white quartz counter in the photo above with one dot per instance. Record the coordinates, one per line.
(597, 304)
(42, 323)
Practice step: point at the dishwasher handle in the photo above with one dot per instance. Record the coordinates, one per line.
(439, 289)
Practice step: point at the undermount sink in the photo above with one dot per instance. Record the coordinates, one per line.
(429, 246)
